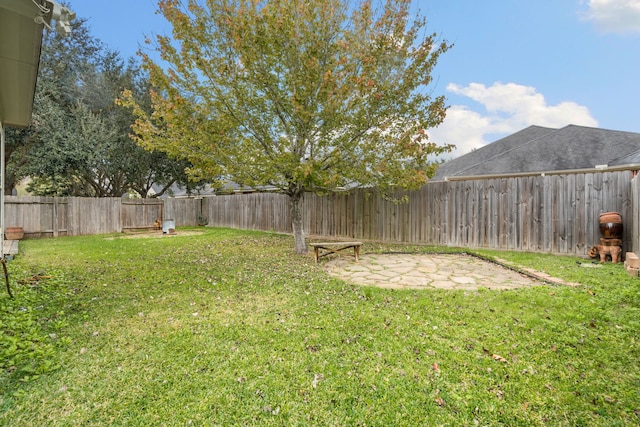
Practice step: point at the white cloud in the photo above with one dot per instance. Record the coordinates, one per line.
(463, 128)
(614, 16)
(508, 108)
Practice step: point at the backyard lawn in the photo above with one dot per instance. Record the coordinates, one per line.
(225, 327)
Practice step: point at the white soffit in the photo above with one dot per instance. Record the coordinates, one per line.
(20, 42)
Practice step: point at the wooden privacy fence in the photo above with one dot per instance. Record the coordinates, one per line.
(634, 219)
(553, 213)
(73, 216)
(255, 211)
(54, 216)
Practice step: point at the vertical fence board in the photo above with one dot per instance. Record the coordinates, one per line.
(186, 211)
(635, 215)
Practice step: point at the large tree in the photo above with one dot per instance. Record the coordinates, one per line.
(303, 96)
(59, 57)
(78, 142)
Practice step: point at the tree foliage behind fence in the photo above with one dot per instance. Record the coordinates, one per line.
(553, 213)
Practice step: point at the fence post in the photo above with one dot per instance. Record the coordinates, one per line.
(55, 217)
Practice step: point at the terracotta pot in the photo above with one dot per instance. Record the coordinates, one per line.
(610, 217)
(14, 233)
(611, 225)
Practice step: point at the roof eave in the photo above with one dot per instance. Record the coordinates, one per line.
(21, 29)
(599, 169)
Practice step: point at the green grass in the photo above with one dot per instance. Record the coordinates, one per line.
(231, 328)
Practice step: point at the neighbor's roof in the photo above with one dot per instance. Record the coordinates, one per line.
(540, 149)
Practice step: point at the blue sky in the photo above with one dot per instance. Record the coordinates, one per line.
(514, 63)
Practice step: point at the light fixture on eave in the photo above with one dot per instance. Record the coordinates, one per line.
(55, 11)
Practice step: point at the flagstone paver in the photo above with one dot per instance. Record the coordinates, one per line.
(429, 271)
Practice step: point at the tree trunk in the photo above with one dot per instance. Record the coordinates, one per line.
(9, 184)
(295, 208)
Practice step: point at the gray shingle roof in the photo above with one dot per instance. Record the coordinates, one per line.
(540, 149)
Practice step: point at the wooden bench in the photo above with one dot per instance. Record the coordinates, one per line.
(334, 248)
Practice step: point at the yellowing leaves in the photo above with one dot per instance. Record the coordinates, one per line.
(498, 358)
(494, 356)
(326, 76)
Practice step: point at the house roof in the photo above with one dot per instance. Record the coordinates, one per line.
(21, 39)
(541, 149)
(227, 187)
(21, 25)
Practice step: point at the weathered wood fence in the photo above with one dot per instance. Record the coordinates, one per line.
(73, 216)
(553, 213)
(634, 220)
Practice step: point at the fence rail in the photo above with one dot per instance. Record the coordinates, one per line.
(553, 213)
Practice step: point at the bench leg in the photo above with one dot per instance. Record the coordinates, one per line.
(315, 253)
(356, 252)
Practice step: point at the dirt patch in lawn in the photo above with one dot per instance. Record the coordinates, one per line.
(154, 234)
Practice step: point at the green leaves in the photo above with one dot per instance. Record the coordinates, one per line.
(31, 327)
(78, 142)
(312, 95)
(300, 96)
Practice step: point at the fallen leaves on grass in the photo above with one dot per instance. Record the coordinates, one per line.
(499, 358)
(494, 356)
